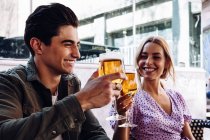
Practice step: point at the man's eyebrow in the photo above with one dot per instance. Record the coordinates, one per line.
(69, 41)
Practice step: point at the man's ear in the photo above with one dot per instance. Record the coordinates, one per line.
(35, 44)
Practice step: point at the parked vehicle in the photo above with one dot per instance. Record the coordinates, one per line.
(13, 51)
(16, 48)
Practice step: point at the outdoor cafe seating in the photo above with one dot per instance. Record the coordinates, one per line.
(197, 127)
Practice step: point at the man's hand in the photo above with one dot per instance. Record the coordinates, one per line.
(99, 91)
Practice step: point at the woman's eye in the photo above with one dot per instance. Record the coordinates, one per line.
(156, 57)
(143, 57)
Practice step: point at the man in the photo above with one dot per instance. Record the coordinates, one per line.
(43, 100)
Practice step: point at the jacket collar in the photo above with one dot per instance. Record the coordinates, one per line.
(31, 70)
(69, 83)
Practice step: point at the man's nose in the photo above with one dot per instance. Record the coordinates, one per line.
(75, 52)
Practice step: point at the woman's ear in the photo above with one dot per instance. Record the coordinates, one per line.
(164, 74)
(138, 71)
(167, 63)
(35, 44)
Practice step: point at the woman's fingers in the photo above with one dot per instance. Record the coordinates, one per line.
(124, 103)
(123, 109)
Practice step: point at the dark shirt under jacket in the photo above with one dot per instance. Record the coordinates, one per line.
(26, 110)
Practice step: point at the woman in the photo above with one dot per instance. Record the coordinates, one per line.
(160, 113)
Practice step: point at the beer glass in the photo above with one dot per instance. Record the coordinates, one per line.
(109, 63)
(129, 86)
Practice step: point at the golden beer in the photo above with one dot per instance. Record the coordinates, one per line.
(110, 63)
(129, 86)
(109, 66)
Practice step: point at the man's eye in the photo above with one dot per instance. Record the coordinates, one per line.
(78, 46)
(71, 45)
(68, 45)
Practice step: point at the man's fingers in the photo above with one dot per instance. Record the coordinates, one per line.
(116, 86)
(114, 76)
(116, 93)
(94, 75)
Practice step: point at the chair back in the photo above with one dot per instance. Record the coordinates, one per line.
(197, 126)
(197, 129)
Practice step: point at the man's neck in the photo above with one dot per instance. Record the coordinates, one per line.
(47, 77)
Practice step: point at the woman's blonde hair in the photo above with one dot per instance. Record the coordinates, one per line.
(169, 67)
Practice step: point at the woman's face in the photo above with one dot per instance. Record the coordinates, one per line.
(152, 61)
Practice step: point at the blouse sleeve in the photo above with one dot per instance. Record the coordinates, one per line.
(112, 112)
(184, 107)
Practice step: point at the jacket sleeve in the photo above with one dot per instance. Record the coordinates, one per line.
(91, 129)
(41, 125)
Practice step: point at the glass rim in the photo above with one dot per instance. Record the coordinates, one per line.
(111, 55)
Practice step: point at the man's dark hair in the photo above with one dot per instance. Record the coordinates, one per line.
(45, 22)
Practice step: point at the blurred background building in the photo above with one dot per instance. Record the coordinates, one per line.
(206, 33)
(123, 23)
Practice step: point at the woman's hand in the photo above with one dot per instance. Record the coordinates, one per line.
(124, 103)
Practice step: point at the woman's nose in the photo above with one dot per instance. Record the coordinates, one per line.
(148, 61)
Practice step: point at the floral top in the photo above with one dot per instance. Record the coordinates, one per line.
(153, 122)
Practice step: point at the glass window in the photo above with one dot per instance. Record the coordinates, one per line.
(13, 48)
(123, 23)
(127, 22)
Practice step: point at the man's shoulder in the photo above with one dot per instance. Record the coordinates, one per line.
(15, 72)
(70, 77)
(73, 82)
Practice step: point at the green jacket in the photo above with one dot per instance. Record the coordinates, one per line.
(27, 113)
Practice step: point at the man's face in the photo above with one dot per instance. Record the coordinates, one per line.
(60, 56)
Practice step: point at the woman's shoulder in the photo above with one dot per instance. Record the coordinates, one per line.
(172, 92)
(175, 94)
(139, 93)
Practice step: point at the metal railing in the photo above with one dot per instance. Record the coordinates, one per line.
(128, 53)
